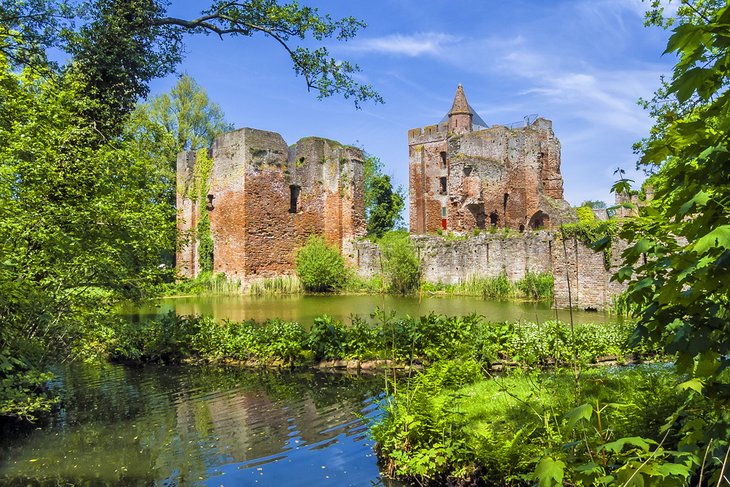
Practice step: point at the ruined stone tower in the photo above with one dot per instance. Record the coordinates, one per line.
(464, 175)
(263, 200)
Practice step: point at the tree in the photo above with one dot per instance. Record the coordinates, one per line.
(383, 204)
(678, 262)
(187, 114)
(595, 204)
(81, 230)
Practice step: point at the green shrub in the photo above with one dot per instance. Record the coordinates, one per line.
(536, 286)
(320, 267)
(585, 215)
(401, 267)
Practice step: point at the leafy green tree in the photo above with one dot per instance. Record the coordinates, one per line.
(595, 204)
(80, 227)
(383, 203)
(678, 262)
(185, 113)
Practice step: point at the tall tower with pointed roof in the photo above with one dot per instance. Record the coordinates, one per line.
(460, 116)
(464, 175)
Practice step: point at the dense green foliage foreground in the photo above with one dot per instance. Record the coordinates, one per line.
(404, 340)
(602, 426)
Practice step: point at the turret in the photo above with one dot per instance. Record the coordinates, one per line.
(460, 116)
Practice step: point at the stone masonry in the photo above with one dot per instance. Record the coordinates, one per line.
(465, 176)
(490, 254)
(265, 199)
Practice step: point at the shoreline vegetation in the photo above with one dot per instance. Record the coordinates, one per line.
(402, 341)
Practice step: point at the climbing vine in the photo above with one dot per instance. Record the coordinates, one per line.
(198, 191)
(598, 235)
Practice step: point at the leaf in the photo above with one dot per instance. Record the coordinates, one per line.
(673, 469)
(550, 472)
(700, 199)
(584, 411)
(719, 237)
(694, 384)
(618, 445)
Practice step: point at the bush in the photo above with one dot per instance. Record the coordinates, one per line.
(401, 267)
(320, 267)
(536, 286)
(585, 215)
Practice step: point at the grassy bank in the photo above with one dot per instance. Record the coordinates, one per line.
(449, 426)
(405, 340)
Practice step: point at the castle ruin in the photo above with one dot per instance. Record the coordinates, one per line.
(464, 175)
(263, 200)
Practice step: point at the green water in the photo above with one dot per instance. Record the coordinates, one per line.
(304, 309)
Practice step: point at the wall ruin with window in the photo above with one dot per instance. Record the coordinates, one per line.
(267, 198)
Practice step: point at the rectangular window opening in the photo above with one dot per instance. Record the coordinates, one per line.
(294, 198)
(443, 160)
(442, 185)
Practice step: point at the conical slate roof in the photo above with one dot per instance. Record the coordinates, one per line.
(460, 105)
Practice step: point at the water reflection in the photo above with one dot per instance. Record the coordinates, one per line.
(200, 425)
(305, 308)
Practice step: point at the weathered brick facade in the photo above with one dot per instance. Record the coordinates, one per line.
(465, 176)
(265, 199)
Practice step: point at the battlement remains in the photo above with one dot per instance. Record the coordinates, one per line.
(429, 133)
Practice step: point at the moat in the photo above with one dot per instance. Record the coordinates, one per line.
(304, 308)
(205, 425)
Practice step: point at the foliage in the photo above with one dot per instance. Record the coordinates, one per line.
(594, 204)
(383, 204)
(186, 114)
(427, 339)
(498, 430)
(679, 258)
(320, 267)
(80, 227)
(401, 266)
(204, 284)
(536, 286)
(599, 235)
(386, 208)
(585, 215)
(23, 389)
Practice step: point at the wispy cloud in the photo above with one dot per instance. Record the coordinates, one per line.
(412, 45)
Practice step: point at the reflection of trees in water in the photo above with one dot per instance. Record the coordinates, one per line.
(121, 424)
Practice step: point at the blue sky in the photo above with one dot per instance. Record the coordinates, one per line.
(580, 63)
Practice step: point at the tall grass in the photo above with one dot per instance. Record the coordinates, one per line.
(206, 283)
(499, 287)
(535, 286)
(288, 284)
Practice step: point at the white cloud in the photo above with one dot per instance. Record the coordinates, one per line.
(419, 44)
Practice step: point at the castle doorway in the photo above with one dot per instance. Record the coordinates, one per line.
(539, 220)
(480, 216)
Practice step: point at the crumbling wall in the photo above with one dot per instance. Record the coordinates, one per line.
(265, 199)
(451, 261)
(494, 177)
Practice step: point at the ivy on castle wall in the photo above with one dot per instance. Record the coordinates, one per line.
(198, 192)
(598, 235)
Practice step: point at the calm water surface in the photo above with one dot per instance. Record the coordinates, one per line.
(305, 308)
(217, 426)
(200, 426)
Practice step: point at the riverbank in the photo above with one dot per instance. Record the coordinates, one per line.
(603, 426)
(399, 340)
